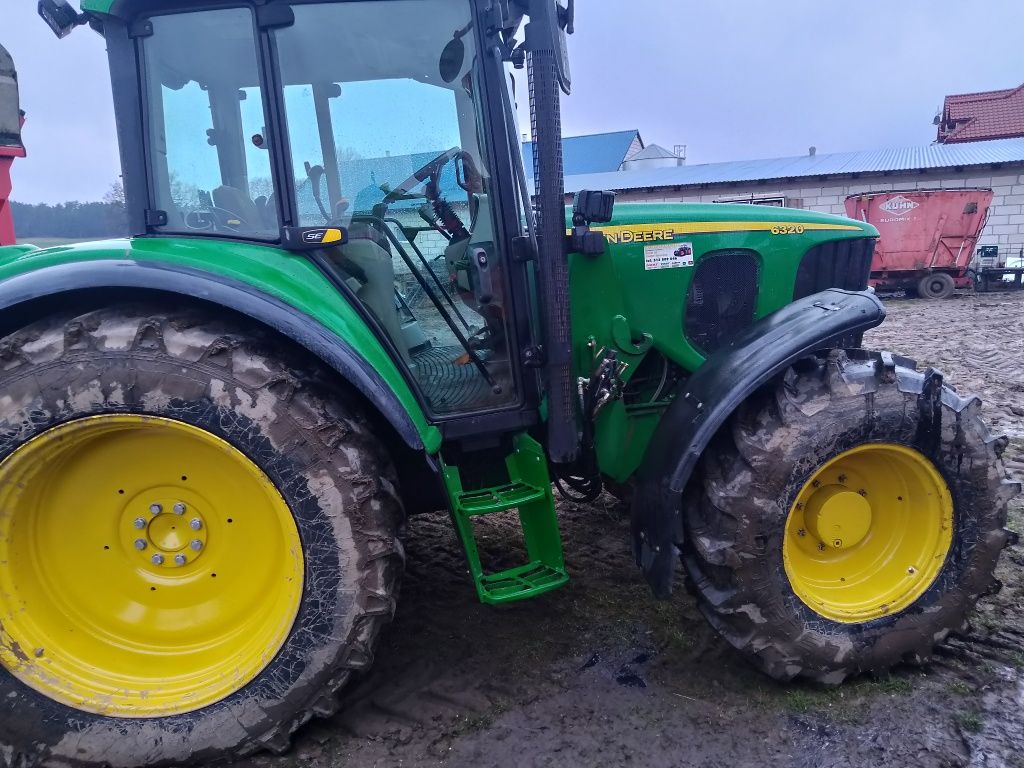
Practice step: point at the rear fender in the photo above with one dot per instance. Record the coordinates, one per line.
(50, 284)
(705, 401)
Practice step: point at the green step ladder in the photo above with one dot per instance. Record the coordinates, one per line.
(529, 491)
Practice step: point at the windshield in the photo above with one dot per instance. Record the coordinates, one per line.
(385, 126)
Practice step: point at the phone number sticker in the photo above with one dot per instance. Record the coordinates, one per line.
(668, 256)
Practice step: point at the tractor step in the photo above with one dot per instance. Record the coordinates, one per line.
(528, 491)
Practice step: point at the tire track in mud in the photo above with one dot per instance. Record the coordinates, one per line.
(599, 674)
(977, 341)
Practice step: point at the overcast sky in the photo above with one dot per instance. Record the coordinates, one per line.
(732, 79)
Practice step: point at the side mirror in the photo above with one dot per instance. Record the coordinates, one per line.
(555, 20)
(593, 207)
(589, 208)
(60, 16)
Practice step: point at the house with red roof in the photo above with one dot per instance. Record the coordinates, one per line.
(982, 116)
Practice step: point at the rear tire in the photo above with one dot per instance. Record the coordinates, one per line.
(936, 285)
(270, 405)
(738, 511)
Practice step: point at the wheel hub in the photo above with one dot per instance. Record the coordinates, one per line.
(838, 516)
(175, 533)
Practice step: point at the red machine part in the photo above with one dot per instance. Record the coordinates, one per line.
(11, 120)
(922, 233)
(7, 156)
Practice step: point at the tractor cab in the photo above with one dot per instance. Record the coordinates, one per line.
(281, 122)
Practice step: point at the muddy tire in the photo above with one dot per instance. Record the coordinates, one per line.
(191, 372)
(936, 285)
(738, 513)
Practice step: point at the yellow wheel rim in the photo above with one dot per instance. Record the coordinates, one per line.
(868, 533)
(147, 567)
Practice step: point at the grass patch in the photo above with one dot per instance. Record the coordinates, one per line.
(800, 702)
(892, 685)
(971, 722)
(1015, 516)
(670, 629)
(959, 687)
(988, 621)
(849, 703)
(466, 724)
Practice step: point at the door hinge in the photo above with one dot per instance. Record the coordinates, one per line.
(143, 28)
(523, 250)
(156, 218)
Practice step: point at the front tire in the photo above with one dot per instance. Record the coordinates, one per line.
(198, 540)
(884, 456)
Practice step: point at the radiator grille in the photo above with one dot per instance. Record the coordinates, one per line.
(721, 300)
(840, 264)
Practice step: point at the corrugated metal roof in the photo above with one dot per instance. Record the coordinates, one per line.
(596, 153)
(869, 161)
(654, 152)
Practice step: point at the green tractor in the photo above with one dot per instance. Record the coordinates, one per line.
(343, 303)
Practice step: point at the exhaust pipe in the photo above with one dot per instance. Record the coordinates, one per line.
(549, 186)
(543, 34)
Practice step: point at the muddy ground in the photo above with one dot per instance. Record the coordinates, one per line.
(598, 674)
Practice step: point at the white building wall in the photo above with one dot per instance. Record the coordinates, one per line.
(1005, 226)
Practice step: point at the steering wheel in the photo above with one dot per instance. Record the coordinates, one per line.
(429, 171)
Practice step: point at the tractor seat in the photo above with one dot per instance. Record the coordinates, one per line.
(378, 290)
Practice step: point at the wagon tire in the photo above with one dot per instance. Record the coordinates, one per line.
(253, 436)
(763, 580)
(936, 285)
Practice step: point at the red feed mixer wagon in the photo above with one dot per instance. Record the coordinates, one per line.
(927, 238)
(11, 147)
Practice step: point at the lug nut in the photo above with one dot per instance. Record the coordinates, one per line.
(196, 524)
(179, 508)
(158, 559)
(842, 478)
(911, 570)
(862, 492)
(801, 532)
(180, 559)
(139, 523)
(196, 545)
(140, 544)
(815, 483)
(156, 509)
(821, 547)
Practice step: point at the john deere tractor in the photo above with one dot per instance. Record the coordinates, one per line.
(345, 301)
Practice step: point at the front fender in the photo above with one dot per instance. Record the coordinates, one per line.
(705, 401)
(278, 290)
